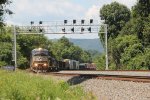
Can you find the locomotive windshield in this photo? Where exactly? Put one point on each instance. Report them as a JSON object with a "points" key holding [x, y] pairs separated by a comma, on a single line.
{"points": [[40, 52]]}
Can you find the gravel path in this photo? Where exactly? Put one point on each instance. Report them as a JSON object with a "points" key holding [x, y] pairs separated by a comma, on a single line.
{"points": [[110, 89]]}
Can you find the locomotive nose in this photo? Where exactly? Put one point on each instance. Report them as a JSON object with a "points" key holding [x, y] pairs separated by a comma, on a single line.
{"points": [[40, 59], [35, 64]]}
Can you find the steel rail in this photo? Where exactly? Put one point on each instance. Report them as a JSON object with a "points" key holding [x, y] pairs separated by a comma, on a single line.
{"points": [[144, 79]]}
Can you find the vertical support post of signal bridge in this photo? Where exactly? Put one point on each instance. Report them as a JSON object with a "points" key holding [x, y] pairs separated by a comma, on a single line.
{"points": [[15, 51], [106, 46]]}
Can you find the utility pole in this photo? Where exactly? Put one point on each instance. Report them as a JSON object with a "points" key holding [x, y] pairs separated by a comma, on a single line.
{"points": [[106, 47], [15, 51]]}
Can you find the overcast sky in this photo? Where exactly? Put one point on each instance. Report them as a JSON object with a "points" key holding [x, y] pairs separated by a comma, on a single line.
{"points": [[48, 10]]}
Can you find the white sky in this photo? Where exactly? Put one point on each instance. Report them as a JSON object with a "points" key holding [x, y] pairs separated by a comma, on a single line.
{"points": [[48, 10]]}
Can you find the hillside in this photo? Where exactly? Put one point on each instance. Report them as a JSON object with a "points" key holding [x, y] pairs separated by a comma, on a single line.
{"points": [[88, 44]]}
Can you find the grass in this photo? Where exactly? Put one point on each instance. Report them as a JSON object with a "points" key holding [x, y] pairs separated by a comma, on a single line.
{"points": [[22, 86]]}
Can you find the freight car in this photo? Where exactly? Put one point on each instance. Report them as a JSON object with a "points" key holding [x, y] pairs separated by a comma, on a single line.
{"points": [[68, 64], [41, 61], [87, 66], [91, 66]]}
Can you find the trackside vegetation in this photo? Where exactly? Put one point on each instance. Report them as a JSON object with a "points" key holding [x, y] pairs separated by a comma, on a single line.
{"points": [[22, 86], [128, 36]]}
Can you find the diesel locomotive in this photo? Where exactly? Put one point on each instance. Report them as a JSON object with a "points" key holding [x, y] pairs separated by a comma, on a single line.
{"points": [[41, 61]]}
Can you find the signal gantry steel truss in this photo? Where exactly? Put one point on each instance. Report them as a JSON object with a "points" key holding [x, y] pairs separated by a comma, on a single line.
{"points": [[60, 27]]}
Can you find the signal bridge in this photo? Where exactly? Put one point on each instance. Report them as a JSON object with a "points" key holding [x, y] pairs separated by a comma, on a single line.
{"points": [[61, 27]]}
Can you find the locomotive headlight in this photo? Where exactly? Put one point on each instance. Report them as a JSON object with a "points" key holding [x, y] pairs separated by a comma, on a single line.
{"points": [[44, 64], [35, 64]]}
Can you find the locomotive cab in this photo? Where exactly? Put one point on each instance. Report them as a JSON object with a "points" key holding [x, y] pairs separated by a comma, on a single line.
{"points": [[39, 60]]}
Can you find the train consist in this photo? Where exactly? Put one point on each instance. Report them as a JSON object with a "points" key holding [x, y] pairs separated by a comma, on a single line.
{"points": [[41, 61]]}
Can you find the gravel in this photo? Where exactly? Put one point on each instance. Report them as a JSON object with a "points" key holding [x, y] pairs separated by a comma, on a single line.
{"points": [[110, 89]]}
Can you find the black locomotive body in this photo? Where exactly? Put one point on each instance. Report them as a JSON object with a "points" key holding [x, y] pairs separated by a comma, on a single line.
{"points": [[41, 60]]}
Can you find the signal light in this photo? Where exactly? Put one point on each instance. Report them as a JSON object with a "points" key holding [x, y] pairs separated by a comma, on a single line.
{"points": [[74, 21], [91, 21], [40, 22], [30, 30], [82, 21], [41, 30], [65, 21], [63, 29], [82, 29], [32, 22], [89, 29], [72, 29]]}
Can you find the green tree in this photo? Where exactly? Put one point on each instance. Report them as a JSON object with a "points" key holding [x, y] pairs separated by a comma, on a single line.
{"points": [[147, 58], [146, 32], [4, 10], [85, 57], [128, 47], [140, 20], [64, 49], [65, 42], [141, 9], [5, 53], [73, 52], [115, 15], [60, 48], [99, 60], [5, 47]]}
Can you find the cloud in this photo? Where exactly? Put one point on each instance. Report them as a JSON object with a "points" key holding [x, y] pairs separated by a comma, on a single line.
{"points": [[27, 10], [92, 12], [47, 7]]}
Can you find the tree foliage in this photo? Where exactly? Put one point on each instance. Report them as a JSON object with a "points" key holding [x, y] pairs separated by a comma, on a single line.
{"points": [[129, 45], [141, 9], [115, 15], [99, 60], [5, 48], [64, 49], [4, 10], [146, 32]]}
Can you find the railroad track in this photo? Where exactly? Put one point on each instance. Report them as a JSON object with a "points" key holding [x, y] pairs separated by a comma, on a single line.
{"points": [[108, 75], [135, 76]]}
